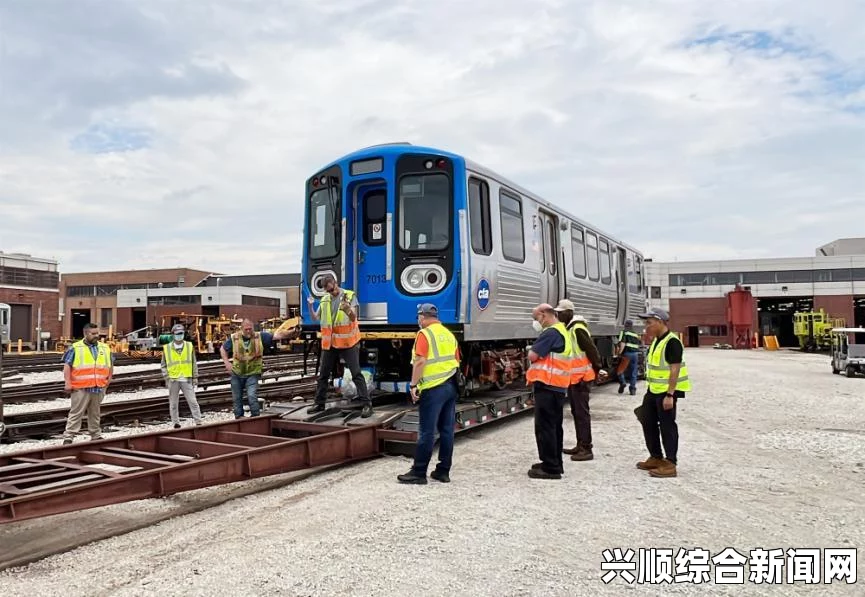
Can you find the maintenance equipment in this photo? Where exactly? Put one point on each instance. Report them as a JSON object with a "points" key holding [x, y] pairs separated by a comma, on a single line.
{"points": [[847, 355], [812, 329]]}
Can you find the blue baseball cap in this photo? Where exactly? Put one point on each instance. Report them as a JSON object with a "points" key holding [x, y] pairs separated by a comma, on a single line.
{"points": [[427, 309], [657, 313]]}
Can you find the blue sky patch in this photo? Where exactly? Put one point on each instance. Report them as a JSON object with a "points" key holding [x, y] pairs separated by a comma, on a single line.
{"points": [[107, 138], [754, 40]]}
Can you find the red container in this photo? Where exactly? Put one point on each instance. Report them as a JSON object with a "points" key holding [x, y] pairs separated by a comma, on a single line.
{"points": [[740, 316]]}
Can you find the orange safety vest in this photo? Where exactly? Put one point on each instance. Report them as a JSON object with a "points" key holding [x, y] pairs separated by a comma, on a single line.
{"points": [[581, 369], [88, 372], [337, 331], [555, 368]]}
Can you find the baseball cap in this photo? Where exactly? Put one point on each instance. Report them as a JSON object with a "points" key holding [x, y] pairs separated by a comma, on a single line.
{"points": [[657, 313], [427, 309], [177, 328], [565, 305]]}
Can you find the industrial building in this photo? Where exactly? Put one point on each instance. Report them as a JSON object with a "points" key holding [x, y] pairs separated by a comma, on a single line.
{"points": [[30, 286], [125, 301], [695, 293]]}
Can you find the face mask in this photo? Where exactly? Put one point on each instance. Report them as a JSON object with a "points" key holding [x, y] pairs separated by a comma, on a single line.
{"points": [[178, 337], [537, 326]]}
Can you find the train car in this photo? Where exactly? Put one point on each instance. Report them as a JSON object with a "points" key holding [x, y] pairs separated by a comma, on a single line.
{"points": [[404, 225], [5, 323]]}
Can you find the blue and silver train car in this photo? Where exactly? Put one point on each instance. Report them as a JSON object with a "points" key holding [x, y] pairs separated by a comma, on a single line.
{"points": [[403, 225], [5, 323]]}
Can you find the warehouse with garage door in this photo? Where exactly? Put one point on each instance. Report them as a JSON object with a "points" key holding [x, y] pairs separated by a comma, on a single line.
{"points": [[695, 293], [30, 286]]}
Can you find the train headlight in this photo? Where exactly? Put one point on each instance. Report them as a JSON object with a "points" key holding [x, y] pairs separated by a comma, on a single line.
{"points": [[423, 279]]}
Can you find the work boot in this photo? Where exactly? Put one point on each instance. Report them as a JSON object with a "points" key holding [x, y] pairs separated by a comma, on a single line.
{"points": [[540, 465], [538, 473], [367, 410], [582, 454], [67, 441], [621, 388], [666, 469], [633, 391], [440, 477], [573, 450], [318, 408], [411, 479], [177, 425], [650, 463]]}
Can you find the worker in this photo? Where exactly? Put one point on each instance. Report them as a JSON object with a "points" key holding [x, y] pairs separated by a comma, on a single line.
{"points": [[549, 373], [435, 366], [667, 380], [628, 347], [587, 367], [245, 349], [180, 370], [340, 339], [88, 366]]}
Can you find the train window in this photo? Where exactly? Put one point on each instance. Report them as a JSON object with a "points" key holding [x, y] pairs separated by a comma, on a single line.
{"points": [[424, 212], [543, 247], [606, 274], [374, 215], [551, 237], [578, 251], [638, 271], [592, 255], [479, 217], [324, 223], [513, 237], [4, 317]]}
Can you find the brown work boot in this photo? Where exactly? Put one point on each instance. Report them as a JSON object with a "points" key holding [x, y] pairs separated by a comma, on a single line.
{"points": [[582, 454], [650, 464], [667, 469], [573, 450]]}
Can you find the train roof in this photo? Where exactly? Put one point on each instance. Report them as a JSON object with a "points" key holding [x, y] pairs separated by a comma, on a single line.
{"points": [[398, 147]]}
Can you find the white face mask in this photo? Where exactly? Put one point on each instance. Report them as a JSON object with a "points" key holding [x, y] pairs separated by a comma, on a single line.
{"points": [[537, 326]]}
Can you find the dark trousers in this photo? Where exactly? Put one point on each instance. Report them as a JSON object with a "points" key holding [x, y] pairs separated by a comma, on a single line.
{"points": [[329, 359], [437, 412], [629, 375], [549, 434], [578, 396], [659, 425]]}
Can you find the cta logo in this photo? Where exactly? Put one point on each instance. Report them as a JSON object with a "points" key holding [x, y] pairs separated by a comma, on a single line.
{"points": [[483, 294]]}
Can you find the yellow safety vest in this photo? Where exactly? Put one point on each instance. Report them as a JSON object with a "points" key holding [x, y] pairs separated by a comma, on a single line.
{"points": [[441, 361], [658, 370], [244, 364], [581, 367], [337, 330], [178, 365], [555, 368], [632, 341]]}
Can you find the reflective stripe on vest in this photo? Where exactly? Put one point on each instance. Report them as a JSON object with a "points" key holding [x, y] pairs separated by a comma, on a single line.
{"points": [[338, 331], [555, 368], [658, 370], [441, 361], [179, 365], [88, 372], [633, 340], [581, 368], [244, 364]]}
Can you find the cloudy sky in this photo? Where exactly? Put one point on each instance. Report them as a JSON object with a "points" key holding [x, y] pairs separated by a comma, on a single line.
{"points": [[161, 133]]}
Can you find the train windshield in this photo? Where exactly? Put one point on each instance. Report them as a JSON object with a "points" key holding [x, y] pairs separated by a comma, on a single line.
{"points": [[424, 212], [323, 223]]}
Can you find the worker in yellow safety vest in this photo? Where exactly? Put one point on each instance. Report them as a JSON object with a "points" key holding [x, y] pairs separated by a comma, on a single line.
{"points": [[628, 346], [435, 370], [180, 370], [88, 366], [549, 373], [667, 380], [340, 339]]}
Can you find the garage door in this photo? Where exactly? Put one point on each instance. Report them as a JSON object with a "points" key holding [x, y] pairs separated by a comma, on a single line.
{"points": [[21, 318]]}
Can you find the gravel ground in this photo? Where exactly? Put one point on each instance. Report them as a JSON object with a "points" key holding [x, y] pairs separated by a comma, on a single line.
{"points": [[772, 456]]}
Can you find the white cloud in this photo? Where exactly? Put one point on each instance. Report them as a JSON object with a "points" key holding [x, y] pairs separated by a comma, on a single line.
{"points": [[603, 107]]}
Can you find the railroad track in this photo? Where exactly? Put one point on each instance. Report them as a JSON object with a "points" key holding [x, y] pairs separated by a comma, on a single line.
{"points": [[208, 374], [47, 422]]}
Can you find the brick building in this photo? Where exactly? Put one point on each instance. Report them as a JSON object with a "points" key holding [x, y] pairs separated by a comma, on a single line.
{"points": [[125, 301], [30, 286], [695, 292]]}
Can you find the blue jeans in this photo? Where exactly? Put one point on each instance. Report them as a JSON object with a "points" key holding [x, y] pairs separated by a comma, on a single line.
{"points": [[437, 411], [630, 372], [238, 384]]}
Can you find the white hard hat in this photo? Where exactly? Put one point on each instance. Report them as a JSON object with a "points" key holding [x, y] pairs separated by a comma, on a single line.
{"points": [[579, 318]]}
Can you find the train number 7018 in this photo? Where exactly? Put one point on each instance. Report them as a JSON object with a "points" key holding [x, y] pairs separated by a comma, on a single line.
{"points": [[376, 278]]}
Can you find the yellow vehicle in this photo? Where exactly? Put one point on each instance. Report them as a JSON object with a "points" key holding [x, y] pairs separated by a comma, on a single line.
{"points": [[813, 328]]}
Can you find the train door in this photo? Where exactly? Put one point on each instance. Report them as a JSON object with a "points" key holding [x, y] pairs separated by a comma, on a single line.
{"points": [[372, 243], [622, 289], [549, 253]]}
